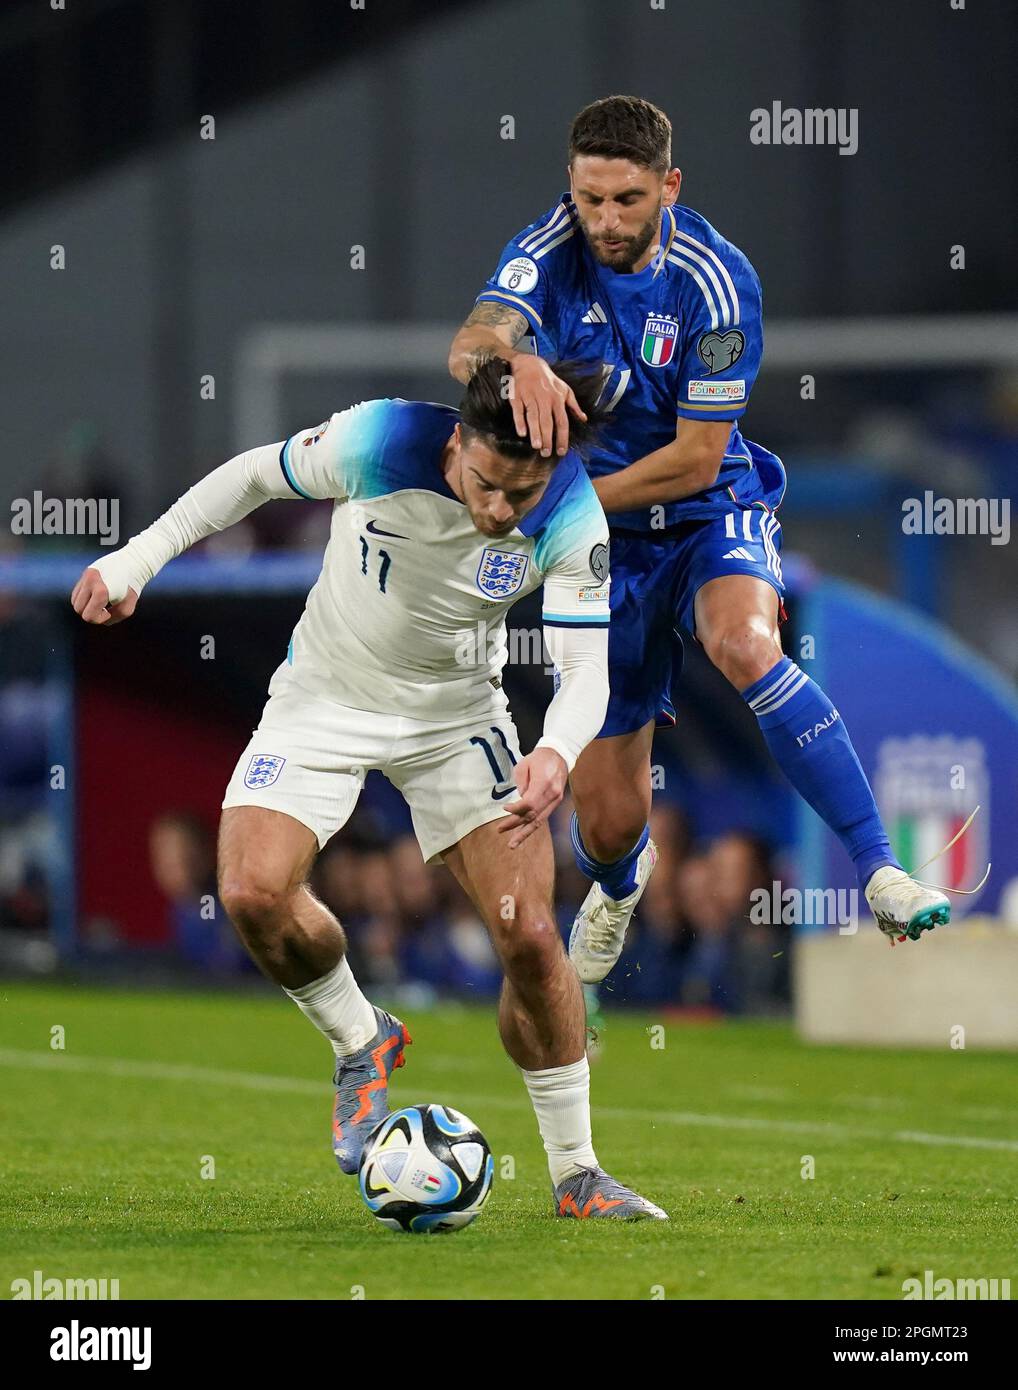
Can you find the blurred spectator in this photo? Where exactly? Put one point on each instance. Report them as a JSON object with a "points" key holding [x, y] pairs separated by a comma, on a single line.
{"points": [[407, 922], [25, 847], [182, 855], [29, 839], [733, 964], [352, 876], [651, 965], [692, 943]]}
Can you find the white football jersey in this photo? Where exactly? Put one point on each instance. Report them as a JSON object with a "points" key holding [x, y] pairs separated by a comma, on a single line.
{"points": [[408, 614]]}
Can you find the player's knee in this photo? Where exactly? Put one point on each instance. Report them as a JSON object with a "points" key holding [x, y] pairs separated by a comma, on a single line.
{"points": [[743, 652], [612, 830], [532, 947], [254, 904]]}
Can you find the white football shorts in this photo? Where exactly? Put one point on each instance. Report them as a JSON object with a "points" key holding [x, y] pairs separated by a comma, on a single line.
{"points": [[309, 756]]}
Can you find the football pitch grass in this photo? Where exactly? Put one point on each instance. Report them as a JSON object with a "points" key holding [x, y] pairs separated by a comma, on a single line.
{"points": [[102, 1147]]}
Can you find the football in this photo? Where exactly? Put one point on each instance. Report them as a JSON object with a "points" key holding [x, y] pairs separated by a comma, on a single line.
{"points": [[426, 1169]]}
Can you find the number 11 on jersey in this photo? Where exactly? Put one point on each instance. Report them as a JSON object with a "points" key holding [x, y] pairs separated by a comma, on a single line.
{"points": [[383, 568]]}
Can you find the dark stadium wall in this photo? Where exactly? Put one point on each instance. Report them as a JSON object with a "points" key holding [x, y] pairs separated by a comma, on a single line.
{"points": [[175, 254], [160, 728], [143, 757]]}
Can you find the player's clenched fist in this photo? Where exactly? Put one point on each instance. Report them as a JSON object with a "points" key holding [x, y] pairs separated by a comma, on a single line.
{"points": [[541, 402], [91, 600]]}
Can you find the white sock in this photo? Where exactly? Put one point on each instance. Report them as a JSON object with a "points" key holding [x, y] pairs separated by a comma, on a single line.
{"points": [[337, 1008], [561, 1101]]}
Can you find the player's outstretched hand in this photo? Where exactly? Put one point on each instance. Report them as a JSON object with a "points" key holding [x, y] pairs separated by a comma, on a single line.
{"points": [[541, 403], [90, 599], [541, 778]]}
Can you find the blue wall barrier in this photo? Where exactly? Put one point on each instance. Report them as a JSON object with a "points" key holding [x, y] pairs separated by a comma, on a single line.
{"points": [[936, 729]]}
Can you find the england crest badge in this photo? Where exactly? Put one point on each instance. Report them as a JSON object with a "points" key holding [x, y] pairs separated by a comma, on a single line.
{"points": [[262, 770], [501, 572], [660, 334]]}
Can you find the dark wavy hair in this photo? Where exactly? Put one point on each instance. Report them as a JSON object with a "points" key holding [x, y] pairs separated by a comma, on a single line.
{"points": [[623, 128], [486, 408]]}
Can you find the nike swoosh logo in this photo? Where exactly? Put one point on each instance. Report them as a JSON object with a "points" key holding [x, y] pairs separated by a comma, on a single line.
{"points": [[500, 796], [376, 530]]}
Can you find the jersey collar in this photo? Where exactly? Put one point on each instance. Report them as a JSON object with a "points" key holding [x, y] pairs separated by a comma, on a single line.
{"points": [[563, 477]]}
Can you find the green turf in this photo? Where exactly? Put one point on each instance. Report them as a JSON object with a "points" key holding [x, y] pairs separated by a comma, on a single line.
{"points": [[101, 1148]]}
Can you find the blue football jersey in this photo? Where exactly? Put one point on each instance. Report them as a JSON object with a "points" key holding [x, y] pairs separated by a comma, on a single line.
{"points": [[681, 338]]}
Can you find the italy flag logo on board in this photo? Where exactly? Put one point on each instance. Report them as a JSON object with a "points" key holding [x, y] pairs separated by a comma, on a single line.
{"points": [[659, 337], [926, 787]]}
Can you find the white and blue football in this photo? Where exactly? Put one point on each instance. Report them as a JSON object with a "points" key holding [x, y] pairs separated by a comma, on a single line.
{"points": [[426, 1169]]}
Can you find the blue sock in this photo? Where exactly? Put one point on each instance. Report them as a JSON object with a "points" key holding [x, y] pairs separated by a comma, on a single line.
{"points": [[811, 745], [619, 879]]}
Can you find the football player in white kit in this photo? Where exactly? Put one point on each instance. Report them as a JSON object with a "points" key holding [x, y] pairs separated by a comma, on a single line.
{"points": [[441, 521]]}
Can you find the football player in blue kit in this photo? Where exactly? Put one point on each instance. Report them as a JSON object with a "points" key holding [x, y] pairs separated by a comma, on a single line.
{"points": [[620, 272]]}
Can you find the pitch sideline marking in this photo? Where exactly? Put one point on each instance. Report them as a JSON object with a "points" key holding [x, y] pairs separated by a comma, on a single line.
{"points": [[852, 1101], [255, 1081]]}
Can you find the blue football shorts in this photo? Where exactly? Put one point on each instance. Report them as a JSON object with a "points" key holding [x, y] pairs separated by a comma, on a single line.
{"points": [[654, 582]]}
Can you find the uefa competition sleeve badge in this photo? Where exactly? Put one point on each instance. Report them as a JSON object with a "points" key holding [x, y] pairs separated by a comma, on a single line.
{"points": [[719, 351], [519, 275]]}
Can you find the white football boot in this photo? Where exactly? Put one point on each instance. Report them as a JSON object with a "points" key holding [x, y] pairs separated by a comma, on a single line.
{"points": [[599, 931], [904, 908]]}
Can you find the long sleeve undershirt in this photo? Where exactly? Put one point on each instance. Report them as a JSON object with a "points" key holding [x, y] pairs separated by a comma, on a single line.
{"points": [[236, 488]]}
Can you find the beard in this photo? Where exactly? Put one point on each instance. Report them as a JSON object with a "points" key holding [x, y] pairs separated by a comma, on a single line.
{"points": [[629, 252]]}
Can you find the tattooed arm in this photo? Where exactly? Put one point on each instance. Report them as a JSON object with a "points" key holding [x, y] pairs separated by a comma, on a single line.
{"points": [[492, 330], [540, 399]]}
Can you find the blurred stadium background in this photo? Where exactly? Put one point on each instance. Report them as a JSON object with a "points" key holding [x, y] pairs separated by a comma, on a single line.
{"points": [[209, 303]]}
